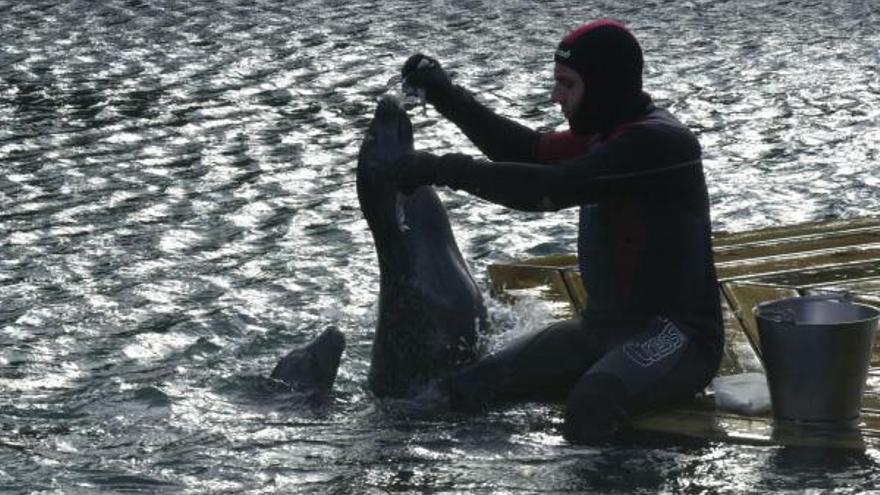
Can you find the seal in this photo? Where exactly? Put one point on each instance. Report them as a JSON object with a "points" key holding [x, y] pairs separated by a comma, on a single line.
{"points": [[431, 311], [311, 370]]}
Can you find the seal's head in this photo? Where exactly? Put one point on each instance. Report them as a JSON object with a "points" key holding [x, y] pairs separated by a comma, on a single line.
{"points": [[311, 370], [607, 59]]}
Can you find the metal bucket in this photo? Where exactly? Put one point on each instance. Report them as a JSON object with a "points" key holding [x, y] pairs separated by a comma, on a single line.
{"points": [[816, 352]]}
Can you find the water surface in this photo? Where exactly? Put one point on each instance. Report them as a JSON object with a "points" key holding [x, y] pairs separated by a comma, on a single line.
{"points": [[177, 210]]}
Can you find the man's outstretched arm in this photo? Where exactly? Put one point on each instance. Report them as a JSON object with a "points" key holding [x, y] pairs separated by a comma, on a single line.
{"points": [[499, 138], [639, 162]]}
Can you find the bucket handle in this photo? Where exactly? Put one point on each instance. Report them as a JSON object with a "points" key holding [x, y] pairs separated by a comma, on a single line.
{"points": [[844, 296], [787, 316]]}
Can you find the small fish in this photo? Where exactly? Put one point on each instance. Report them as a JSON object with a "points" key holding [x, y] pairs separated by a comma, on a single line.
{"points": [[410, 91], [419, 93]]}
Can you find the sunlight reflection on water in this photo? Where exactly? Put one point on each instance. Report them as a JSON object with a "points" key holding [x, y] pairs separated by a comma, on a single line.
{"points": [[178, 210]]}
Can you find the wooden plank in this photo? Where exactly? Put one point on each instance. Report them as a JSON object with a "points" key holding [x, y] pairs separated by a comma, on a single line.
{"points": [[871, 399], [743, 297], [818, 276], [812, 260], [867, 290], [786, 231], [524, 276], [514, 282], [790, 245], [701, 420], [552, 261], [739, 354], [706, 423], [576, 290]]}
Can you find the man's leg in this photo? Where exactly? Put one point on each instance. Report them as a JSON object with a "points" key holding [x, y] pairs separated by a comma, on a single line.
{"points": [[655, 368], [542, 366]]}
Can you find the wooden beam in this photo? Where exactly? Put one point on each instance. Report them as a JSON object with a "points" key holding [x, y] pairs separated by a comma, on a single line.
{"points": [[743, 297], [787, 231], [801, 244]]}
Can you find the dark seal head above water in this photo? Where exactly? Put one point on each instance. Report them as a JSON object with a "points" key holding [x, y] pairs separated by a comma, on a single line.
{"points": [[311, 370], [431, 310]]}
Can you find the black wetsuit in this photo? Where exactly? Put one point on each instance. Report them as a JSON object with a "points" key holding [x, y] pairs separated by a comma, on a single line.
{"points": [[652, 330]]}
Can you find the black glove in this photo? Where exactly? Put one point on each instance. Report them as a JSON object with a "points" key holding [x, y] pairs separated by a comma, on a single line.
{"points": [[423, 72], [416, 168]]}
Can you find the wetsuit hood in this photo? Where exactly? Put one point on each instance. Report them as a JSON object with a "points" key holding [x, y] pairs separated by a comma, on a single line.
{"points": [[609, 60]]}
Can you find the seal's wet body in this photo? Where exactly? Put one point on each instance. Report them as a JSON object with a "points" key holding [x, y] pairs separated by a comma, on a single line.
{"points": [[430, 307]]}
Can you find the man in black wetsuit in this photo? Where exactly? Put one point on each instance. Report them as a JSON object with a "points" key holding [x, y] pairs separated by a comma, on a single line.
{"points": [[652, 331]]}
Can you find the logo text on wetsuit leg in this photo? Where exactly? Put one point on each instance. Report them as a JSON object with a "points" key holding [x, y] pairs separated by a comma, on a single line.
{"points": [[658, 347]]}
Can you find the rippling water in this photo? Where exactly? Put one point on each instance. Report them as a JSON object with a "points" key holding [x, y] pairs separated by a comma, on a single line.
{"points": [[177, 210]]}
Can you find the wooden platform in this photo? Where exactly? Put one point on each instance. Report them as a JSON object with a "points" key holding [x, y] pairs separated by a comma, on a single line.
{"points": [[756, 266]]}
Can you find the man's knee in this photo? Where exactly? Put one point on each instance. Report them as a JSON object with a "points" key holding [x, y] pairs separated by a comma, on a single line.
{"points": [[595, 409]]}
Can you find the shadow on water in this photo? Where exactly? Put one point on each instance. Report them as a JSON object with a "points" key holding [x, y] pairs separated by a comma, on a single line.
{"points": [[634, 462], [819, 468], [824, 460]]}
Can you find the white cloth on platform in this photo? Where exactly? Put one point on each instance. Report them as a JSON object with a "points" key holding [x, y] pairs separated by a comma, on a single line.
{"points": [[746, 393]]}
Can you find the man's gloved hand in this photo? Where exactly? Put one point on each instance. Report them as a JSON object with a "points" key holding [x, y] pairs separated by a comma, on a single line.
{"points": [[416, 168], [423, 72]]}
